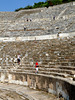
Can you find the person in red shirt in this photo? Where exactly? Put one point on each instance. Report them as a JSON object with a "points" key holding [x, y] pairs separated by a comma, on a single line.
{"points": [[36, 66]]}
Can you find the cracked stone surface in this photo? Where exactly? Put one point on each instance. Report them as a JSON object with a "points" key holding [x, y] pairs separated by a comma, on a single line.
{"points": [[18, 92]]}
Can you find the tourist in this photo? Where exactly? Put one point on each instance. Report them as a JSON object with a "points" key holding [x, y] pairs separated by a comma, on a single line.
{"points": [[54, 18], [30, 20], [57, 34], [24, 28], [27, 19], [18, 59], [36, 66]]}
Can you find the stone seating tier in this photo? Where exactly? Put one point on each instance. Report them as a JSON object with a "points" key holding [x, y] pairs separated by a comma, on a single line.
{"points": [[7, 15], [17, 28], [56, 57], [70, 10], [51, 52], [40, 18], [56, 72]]}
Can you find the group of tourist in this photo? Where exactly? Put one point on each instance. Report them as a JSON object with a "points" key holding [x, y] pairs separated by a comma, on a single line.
{"points": [[36, 64], [29, 19]]}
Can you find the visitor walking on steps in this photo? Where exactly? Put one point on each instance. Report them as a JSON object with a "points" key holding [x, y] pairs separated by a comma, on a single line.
{"points": [[53, 17], [18, 59], [24, 28], [36, 66]]}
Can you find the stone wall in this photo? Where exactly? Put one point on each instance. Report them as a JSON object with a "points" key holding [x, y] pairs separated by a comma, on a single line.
{"points": [[46, 83]]}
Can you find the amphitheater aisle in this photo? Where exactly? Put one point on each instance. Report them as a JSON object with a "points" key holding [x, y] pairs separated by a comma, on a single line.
{"points": [[23, 92]]}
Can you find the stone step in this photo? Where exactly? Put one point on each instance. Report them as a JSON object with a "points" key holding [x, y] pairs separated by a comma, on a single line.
{"points": [[47, 67], [55, 74], [70, 72]]}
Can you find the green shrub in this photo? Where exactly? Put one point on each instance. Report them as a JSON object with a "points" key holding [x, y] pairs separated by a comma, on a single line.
{"points": [[45, 4], [19, 9], [28, 7], [55, 2]]}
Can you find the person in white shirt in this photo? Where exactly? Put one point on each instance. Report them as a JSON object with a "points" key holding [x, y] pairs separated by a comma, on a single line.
{"points": [[18, 59]]}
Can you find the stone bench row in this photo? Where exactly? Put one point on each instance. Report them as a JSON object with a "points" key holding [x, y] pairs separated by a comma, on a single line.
{"points": [[49, 71], [43, 62], [53, 73], [28, 66], [63, 55], [43, 66], [68, 71]]}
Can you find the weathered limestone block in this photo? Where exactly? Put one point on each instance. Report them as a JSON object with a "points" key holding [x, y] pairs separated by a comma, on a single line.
{"points": [[10, 78], [29, 80], [73, 72], [13, 77], [2, 77], [51, 86]]}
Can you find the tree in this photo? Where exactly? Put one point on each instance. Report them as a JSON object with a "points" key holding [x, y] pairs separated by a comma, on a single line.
{"points": [[55, 2], [19, 9], [67, 0], [28, 7], [39, 4], [45, 4]]}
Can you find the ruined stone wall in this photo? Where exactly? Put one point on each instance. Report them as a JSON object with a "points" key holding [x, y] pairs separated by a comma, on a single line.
{"points": [[46, 83]]}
